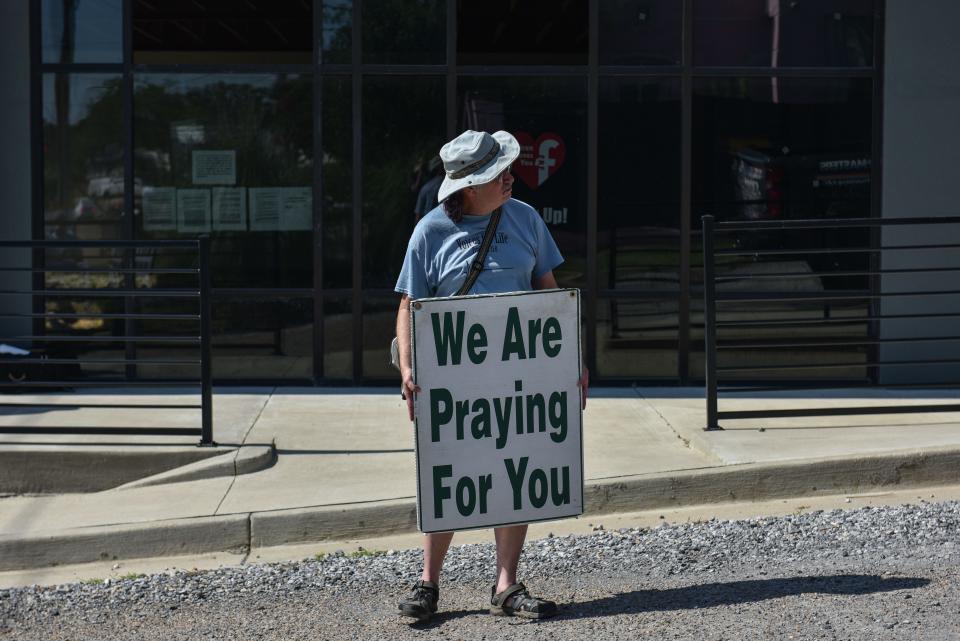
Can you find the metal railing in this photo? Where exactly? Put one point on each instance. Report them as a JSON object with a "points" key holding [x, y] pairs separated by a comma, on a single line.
{"points": [[58, 349], [838, 321]]}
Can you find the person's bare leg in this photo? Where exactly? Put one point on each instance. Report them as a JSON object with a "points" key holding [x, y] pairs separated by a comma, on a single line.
{"points": [[509, 545], [435, 548]]}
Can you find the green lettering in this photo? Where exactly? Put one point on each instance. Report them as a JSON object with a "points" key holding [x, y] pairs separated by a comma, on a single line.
{"points": [[463, 408], [551, 333], [560, 497], [558, 416], [516, 479], [513, 338], [503, 410], [533, 329], [536, 402], [448, 338], [486, 484], [439, 416], [538, 497], [440, 492], [480, 425], [465, 505], [477, 344]]}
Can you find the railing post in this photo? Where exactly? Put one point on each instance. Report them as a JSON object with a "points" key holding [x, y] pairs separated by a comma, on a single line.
{"points": [[206, 310], [709, 325]]}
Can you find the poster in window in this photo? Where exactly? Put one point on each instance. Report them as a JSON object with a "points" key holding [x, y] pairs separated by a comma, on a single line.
{"points": [[159, 209], [193, 210], [264, 208], [229, 209], [296, 209], [214, 167]]}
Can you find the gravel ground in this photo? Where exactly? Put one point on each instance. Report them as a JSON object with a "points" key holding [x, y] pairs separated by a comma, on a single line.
{"points": [[874, 573]]}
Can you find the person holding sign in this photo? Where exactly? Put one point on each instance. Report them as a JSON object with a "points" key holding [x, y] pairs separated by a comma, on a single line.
{"points": [[476, 218]]}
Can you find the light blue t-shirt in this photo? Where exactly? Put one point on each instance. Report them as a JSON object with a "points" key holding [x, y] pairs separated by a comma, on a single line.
{"points": [[440, 252]]}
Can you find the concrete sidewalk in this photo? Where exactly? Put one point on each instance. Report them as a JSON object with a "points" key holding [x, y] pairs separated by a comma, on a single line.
{"points": [[302, 465]]}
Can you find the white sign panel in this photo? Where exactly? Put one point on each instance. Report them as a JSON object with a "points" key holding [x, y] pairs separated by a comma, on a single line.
{"points": [[214, 167], [193, 210], [159, 208], [498, 419], [229, 209]]}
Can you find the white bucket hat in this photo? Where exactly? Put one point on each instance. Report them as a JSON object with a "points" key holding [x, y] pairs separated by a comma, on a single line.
{"points": [[475, 158]]}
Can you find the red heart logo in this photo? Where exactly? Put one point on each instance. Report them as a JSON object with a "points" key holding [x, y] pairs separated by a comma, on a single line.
{"points": [[539, 159]]}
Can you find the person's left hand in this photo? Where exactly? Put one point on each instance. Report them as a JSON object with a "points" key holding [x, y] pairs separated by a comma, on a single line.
{"points": [[584, 385]]}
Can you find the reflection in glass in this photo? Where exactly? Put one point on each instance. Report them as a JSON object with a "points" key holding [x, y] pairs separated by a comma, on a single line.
{"points": [[337, 31], [338, 328], [404, 31], [783, 33], [337, 183], [639, 184], [548, 117], [644, 33], [252, 339], [637, 337], [88, 31], [767, 148], [183, 32], [784, 148], [404, 123], [83, 156], [230, 155], [533, 32]]}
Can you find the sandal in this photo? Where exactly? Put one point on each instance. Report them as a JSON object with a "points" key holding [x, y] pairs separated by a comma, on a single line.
{"points": [[422, 602], [516, 601]]}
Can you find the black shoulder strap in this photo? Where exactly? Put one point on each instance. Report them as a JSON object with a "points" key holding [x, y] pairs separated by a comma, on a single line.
{"points": [[477, 266]]}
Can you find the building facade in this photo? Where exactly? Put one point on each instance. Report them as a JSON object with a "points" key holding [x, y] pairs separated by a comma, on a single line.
{"points": [[302, 134]]}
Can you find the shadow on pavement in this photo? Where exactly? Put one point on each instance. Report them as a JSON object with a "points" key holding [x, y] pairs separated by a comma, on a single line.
{"points": [[711, 595]]}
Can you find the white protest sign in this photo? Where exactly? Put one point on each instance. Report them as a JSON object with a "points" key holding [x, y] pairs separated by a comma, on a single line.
{"points": [[498, 418]]}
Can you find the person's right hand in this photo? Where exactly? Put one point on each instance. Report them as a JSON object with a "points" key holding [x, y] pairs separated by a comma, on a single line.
{"points": [[409, 388]]}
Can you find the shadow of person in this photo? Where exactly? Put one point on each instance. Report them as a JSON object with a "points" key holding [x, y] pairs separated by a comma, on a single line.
{"points": [[709, 595]]}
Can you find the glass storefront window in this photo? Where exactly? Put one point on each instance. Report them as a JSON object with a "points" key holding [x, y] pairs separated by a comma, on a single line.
{"points": [[639, 184], [637, 338], [640, 33], [547, 115], [787, 148], [88, 31], [338, 329], [783, 33], [230, 155], [337, 37], [379, 320], [533, 32], [768, 148], [404, 32], [83, 156], [337, 211], [185, 32], [404, 123]]}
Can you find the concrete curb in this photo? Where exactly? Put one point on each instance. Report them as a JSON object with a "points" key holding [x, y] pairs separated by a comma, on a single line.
{"points": [[748, 482], [333, 523], [247, 459], [39, 469], [140, 540]]}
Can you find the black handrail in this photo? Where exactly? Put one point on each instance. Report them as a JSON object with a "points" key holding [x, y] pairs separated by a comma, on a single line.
{"points": [[200, 248], [774, 338]]}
